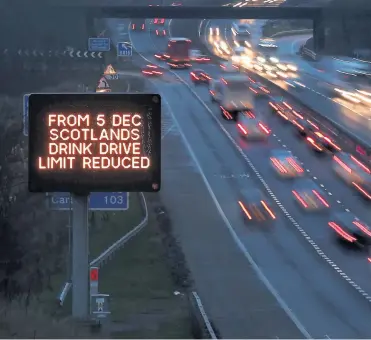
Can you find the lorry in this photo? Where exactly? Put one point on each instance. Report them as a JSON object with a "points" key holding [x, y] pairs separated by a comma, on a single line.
{"points": [[233, 95], [178, 52]]}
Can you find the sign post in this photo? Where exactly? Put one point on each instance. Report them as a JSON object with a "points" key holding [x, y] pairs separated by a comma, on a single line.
{"points": [[114, 143], [94, 280], [80, 256], [25, 114]]}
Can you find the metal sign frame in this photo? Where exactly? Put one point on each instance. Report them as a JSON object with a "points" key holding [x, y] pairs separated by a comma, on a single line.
{"points": [[105, 310]]}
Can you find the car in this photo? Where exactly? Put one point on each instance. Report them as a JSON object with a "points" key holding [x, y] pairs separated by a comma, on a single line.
{"points": [[350, 229], [309, 195], [213, 83], [162, 56], [160, 32], [259, 89], [152, 70], [138, 26], [252, 127], [159, 21], [353, 172], [321, 143], [255, 207], [177, 3], [285, 164], [283, 109], [228, 66], [304, 126], [199, 76], [214, 31]]}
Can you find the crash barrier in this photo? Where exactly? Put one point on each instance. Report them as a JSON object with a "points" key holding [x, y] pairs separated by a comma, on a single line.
{"points": [[309, 53], [353, 143], [108, 254], [201, 326], [292, 32]]}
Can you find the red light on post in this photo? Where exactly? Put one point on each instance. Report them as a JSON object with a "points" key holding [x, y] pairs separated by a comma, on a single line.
{"points": [[94, 274]]}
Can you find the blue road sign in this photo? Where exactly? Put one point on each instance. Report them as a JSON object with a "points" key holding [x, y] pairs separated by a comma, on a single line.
{"points": [[97, 201], [124, 49], [25, 114], [99, 44]]}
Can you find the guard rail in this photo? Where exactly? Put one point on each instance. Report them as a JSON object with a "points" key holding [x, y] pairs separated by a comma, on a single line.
{"points": [[356, 141], [292, 32], [309, 53], [107, 255]]}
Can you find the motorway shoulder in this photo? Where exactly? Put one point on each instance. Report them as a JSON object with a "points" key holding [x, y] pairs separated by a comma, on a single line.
{"points": [[236, 299]]}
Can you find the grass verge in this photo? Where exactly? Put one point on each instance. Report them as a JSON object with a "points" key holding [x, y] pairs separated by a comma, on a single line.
{"points": [[146, 301]]}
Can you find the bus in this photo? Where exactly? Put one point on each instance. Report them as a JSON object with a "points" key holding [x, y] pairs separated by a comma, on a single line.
{"points": [[178, 50]]}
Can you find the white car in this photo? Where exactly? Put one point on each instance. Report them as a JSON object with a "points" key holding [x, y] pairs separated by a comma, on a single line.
{"points": [[251, 127]]}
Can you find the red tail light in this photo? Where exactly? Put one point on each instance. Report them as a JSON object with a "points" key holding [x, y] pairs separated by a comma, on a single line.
{"points": [[362, 227], [295, 165], [298, 125], [264, 128], [243, 130], [278, 165], [253, 90], [341, 232], [282, 114], [298, 197], [314, 125], [274, 106], [343, 165], [143, 27], [323, 201], [364, 167], [246, 212], [363, 191], [269, 211], [133, 26], [287, 105]]}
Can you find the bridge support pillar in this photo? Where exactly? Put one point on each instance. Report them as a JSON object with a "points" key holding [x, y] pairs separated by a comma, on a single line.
{"points": [[319, 34]]}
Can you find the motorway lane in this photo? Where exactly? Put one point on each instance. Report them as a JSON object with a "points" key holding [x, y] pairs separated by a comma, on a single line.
{"points": [[355, 118], [284, 240], [231, 310], [321, 301]]}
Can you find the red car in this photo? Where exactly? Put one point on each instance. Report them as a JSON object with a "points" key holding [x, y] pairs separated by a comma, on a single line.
{"points": [[152, 70]]}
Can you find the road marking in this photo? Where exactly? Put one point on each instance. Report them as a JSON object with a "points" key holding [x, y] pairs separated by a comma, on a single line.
{"points": [[233, 233], [317, 249]]}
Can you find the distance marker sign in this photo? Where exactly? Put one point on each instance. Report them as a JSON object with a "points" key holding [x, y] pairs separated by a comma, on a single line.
{"points": [[94, 142]]}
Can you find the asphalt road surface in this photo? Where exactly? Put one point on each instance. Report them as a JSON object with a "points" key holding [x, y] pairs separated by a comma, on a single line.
{"points": [[355, 118], [326, 289]]}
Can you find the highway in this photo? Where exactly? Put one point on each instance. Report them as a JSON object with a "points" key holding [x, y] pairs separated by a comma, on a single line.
{"points": [[325, 290], [356, 118]]}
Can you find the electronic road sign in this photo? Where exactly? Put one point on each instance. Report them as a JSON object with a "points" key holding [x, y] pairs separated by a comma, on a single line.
{"points": [[94, 142]]}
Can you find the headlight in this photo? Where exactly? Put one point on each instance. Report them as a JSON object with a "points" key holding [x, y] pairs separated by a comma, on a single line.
{"points": [[292, 68], [274, 60]]}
